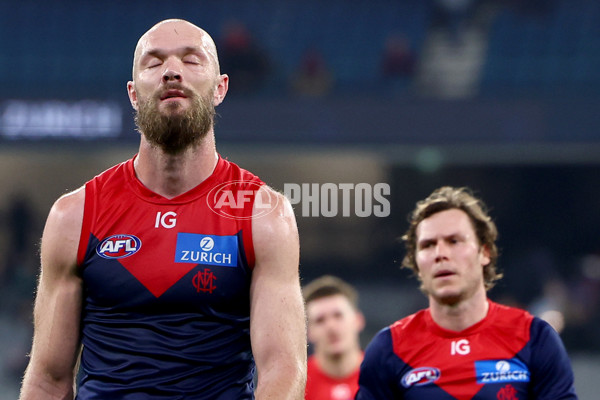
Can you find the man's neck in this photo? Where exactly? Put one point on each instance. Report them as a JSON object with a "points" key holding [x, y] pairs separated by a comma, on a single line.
{"points": [[341, 365], [171, 175], [461, 315]]}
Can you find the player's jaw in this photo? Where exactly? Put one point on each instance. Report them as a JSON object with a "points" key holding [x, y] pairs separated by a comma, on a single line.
{"points": [[447, 286], [170, 124]]}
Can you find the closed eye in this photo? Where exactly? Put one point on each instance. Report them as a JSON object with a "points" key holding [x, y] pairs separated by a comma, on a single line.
{"points": [[192, 59], [152, 62]]}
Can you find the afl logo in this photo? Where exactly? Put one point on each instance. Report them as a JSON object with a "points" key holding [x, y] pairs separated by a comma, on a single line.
{"points": [[118, 246], [420, 376]]}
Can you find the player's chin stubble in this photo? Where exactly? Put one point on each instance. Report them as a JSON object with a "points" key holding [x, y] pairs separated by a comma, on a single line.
{"points": [[176, 132]]}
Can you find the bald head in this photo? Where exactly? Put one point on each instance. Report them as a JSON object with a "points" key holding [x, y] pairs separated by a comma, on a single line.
{"points": [[175, 32]]}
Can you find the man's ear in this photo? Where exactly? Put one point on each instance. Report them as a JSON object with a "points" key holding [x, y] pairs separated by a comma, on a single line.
{"points": [[309, 335], [360, 319], [484, 255], [221, 89], [132, 95]]}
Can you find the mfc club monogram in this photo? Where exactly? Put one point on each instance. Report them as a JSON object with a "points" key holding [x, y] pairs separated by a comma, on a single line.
{"points": [[203, 281]]}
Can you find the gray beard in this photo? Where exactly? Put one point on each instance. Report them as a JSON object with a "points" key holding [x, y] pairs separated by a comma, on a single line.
{"points": [[175, 133]]}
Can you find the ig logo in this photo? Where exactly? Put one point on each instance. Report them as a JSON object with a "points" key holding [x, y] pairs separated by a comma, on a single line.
{"points": [[460, 347], [167, 220]]}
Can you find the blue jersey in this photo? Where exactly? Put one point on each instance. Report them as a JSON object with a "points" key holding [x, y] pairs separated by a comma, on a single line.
{"points": [[509, 355], [166, 288]]}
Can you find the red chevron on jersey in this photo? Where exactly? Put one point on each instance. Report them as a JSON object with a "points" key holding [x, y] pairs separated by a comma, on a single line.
{"points": [[455, 361], [509, 355], [143, 231]]}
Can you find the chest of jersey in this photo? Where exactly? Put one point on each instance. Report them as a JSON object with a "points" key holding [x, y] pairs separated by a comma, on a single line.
{"points": [[320, 386], [466, 367], [183, 255], [166, 288], [147, 251], [490, 362]]}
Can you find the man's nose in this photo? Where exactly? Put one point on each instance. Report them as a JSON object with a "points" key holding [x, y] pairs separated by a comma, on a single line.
{"points": [[171, 75], [441, 251], [172, 71]]}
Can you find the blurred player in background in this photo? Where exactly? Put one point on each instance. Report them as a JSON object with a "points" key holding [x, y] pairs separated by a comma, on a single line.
{"points": [[463, 346], [334, 326], [174, 289]]}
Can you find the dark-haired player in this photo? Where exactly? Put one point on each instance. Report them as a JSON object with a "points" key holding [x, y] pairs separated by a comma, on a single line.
{"points": [[334, 326]]}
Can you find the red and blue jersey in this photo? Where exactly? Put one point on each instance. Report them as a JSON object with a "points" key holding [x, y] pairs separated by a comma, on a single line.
{"points": [[166, 288], [320, 386], [509, 355]]}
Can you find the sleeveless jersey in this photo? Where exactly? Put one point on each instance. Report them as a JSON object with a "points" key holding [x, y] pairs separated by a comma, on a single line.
{"points": [[166, 288], [509, 355], [320, 386]]}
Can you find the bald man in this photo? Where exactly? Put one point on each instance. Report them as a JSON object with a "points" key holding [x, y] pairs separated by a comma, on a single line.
{"points": [[173, 275]]}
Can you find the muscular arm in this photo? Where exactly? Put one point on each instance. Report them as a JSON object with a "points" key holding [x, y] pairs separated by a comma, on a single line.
{"points": [[277, 322], [50, 373]]}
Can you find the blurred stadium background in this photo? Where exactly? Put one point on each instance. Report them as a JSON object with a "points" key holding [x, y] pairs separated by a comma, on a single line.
{"points": [[499, 95]]}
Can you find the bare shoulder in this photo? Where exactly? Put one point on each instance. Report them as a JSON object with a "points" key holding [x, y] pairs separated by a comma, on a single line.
{"points": [[60, 239], [66, 215], [273, 218], [69, 204]]}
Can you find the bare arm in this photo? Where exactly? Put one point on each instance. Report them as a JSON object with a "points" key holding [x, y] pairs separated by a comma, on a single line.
{"points": [[277, 321], [51, 370]]}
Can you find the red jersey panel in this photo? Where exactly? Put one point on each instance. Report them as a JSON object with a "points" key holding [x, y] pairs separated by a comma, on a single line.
{"points": [[166, 287], [509, 355], [454, 354], [320, 386]]}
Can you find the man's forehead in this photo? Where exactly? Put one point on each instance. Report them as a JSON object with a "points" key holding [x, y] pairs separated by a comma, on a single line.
{"points": [[175, 34], [327, 303], [447, 222]]}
